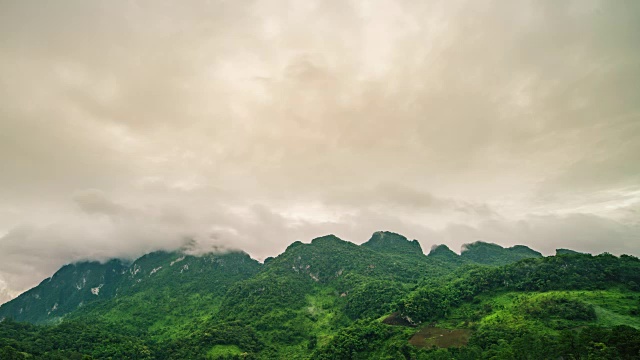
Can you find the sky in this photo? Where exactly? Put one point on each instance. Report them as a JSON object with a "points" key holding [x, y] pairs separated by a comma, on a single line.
{"points": [[133, 126]]}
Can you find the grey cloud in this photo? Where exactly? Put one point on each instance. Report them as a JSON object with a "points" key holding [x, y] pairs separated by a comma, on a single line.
{"points": [[388, 194], [33, 252], [395, 197], [96, 202], [253, 124]]}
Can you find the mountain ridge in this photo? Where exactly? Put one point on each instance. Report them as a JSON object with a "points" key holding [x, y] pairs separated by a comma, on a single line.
{"points": [[332, 299], [381, 244], [81, 283]]}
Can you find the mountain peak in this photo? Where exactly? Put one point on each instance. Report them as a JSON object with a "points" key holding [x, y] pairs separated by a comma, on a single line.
{"points": [[327, 240], [479, 245], [567, 252], [389, 242], [442, 251], [292, 245], [493, 254]]}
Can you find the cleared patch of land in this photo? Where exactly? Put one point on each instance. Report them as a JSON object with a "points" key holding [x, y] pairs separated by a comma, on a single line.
{"points": [[444, 338], [396, 320]]}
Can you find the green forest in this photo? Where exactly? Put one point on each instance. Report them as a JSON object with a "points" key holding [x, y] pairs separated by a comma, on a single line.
{"points": [[333, 299]]}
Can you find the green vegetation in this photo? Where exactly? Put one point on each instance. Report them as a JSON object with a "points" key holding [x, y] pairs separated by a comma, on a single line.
{"points": [[493, 254], [222, 351], [332, 299]]}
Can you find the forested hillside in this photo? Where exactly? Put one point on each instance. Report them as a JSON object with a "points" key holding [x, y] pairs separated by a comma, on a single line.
{"points": [[333, 299]]}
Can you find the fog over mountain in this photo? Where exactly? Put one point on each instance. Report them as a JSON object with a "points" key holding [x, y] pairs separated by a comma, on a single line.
{"points": [[127, 127]]}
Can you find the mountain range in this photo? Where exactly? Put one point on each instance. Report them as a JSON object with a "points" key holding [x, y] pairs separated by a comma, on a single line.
{"points": [[333, 299]]}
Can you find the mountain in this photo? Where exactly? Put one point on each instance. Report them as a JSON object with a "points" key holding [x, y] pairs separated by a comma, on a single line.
{"points": [[111, 289], [78, 287], [333, 299], [69, 288], [567, 252], [493, 254], [324, 284], [392, 243], [483, 253], [444, 253]]}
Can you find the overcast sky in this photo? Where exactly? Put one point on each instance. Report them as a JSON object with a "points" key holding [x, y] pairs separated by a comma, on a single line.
{"points": [[131, 126]]}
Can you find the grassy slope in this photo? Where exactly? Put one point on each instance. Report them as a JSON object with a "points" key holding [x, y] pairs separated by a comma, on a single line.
{"points": [[613, 307], [223, 350]]}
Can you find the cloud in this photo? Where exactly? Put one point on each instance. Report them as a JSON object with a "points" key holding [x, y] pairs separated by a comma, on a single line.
{"points": [[126, 127], [389, 194], [95, 202]]}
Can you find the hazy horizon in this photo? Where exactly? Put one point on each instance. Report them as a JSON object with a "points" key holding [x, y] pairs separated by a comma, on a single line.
{"points": [[128, 127]]}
